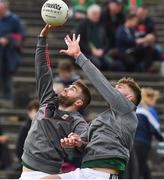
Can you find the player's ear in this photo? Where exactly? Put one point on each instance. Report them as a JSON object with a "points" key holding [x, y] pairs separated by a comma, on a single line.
{"points": [[78, 103], [130, 97]]}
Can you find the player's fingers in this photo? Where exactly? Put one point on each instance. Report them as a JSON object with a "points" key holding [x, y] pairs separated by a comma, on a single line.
{"points": [[52, 27], [71, 134], [63, 51], [66, 41], [46, 26], [78, 143], [74, 37], [68, 38], [73, 138], [76, 136], [78, 38], [49, 27], [78, 140], [66, 141], [55, 27], [62, 140], [71, 141]]}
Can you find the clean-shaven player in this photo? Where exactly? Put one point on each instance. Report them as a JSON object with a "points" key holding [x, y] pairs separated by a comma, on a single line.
{"points": [[57, 117], [110, 135]]}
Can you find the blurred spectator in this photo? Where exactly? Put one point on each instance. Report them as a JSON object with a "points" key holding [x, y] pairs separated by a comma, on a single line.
{"points": [[132, 5], [146, 29], [80, 8], [149, 125], [11, 36], [58, 87], [32, 109], [126, 42], [132, 52], [5, 157], [66, 77], [67, 74], [94, 43], [112, 17], [146, 26]]}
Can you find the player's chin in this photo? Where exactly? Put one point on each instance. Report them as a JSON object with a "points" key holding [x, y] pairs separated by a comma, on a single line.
{"points": [[62, 98]]}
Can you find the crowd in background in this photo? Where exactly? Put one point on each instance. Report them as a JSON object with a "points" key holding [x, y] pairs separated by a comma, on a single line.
{"points": [[11, 37], [116, 36]]}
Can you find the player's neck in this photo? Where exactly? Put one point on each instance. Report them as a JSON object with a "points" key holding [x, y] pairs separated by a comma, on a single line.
{"points": [[67, 109]]}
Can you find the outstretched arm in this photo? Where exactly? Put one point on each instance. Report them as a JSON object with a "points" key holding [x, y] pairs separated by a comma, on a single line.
{"points": [[113, 97], [43, 71]]}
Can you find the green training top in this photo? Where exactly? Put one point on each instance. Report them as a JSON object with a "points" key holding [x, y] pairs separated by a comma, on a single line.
{"points": [[131, 3], [82, 5], [27, 166], [117, 164]]}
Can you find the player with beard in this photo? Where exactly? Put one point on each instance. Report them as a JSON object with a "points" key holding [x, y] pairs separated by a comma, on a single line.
{"points": [[107, 143], [57, 117]]}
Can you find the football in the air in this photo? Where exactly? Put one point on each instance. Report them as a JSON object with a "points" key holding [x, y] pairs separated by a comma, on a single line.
{"points": [[55, 12]]}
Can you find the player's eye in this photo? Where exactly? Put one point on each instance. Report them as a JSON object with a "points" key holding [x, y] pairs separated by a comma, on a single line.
{"points": [[74, 89]]}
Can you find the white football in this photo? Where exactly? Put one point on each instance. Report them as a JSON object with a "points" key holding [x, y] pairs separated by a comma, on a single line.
{"points": [[55, 12]]}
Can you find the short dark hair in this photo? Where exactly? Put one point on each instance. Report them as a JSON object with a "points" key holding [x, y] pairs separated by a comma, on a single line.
{"points": [[86, 95], [143, 7], [65, 66], [119, 2], [33, 105], [131, 15], [134, 87]]}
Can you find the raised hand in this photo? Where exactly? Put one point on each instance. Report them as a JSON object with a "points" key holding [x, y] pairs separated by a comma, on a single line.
{"points": [[73, 46], [48, 28]]}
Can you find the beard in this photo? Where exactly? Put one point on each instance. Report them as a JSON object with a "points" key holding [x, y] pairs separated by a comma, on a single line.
{"points": [[66, 101]]}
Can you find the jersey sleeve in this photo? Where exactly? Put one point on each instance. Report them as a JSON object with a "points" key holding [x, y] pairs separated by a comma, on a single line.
{"points": [[114, 98], [44, 75]]}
